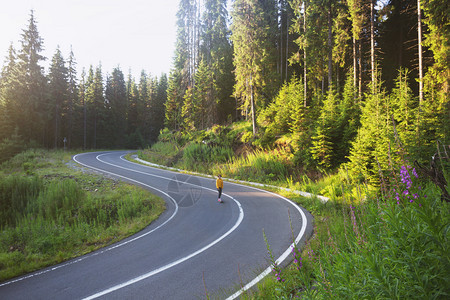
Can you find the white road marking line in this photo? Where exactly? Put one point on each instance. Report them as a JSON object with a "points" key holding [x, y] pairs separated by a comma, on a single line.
{"points": [[283, 256], [109, 248], [177, 262]]}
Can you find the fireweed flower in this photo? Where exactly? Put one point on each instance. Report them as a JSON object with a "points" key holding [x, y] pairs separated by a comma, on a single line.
{"points": [[297, 257], [409, 192], [277, 271]]}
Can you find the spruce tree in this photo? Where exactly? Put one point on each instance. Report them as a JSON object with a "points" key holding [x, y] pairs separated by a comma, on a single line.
{"points": [[7, 94], [59, 94], [217, 56], [189, 111], [133, 105], [95, 103], [175, 94], [251, 52], [158, 108], [327, 136], [27, 105], [72, 98], [116, 98], [205, 97]]}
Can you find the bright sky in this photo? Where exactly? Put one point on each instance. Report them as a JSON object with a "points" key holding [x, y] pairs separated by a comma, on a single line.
{"points": [[131, 34]]}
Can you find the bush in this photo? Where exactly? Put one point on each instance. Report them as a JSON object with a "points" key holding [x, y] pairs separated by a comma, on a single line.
{"points": [[15, 194], [195, 153], [391, 246]]}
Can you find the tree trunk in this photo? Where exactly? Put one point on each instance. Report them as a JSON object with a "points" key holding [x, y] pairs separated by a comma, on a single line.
{"points": [[330, 47], [252, 103], [354, 65], [287, 42], [419, 44], [304, 59], [85, 123], [360, 69], [372, 43], [56, 126]]}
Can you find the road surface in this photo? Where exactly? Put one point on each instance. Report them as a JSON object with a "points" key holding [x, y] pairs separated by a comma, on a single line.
{"points": [[197, 247]]}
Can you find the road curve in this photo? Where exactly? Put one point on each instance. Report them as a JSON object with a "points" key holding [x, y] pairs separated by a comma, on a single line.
{"points": [[197, 247]]}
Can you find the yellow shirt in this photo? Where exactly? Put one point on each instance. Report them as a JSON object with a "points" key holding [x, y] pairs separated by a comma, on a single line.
{"points": [[219, 183]]}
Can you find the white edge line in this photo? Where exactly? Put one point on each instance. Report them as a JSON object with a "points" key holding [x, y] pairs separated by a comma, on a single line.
{"points": [[283, 256], [322, 199], [168, 266], [109, 248]]}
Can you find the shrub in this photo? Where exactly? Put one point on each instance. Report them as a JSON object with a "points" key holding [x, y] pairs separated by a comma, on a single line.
{"points": [[15, 194], [195, 153]]}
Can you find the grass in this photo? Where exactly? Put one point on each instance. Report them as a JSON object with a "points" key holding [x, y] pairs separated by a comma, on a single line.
{"points": [[388, 242], [51, 211], [375, 248]]}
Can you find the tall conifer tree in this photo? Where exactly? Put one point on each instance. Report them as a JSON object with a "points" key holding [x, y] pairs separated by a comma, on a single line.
{"points": [[59, 88], [28, 107], [251, 53]]}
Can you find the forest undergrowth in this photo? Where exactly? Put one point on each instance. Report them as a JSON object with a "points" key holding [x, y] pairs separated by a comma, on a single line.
{"points": [[389, 241]]}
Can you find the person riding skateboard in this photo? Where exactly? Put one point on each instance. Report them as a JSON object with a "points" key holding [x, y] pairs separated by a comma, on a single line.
{"points": [[219, 186]]}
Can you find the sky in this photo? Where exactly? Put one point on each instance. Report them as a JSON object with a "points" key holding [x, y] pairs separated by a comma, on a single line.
{"points": [[134, 35]]}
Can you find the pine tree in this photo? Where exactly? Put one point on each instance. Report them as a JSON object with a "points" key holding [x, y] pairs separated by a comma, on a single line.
{"points": [[205, 97], [189, 111], [133, 105], [83, 108], [251, 52], [72, 98], [26, 107], [95, 103], [327, 138], [217, 55], [175, 94], [357, 19], [158, 108], [373, 146], [59, 94], [404, 108], [349, 116], [437, 79], [143, 104], [116, 97], [7, 94]]}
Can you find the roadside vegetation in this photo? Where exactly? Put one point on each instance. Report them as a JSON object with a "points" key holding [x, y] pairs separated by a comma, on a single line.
{"points": [[382, 239], [51, 210]]}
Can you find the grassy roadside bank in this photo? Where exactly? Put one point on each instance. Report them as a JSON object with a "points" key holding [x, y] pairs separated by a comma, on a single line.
{"points": [[385, 242], [51, 210]]}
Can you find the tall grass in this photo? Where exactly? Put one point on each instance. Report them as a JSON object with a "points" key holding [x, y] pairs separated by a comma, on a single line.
{"points": [[162, 153], [258, 166], [391, 246], [199, 157], [51, 216]]}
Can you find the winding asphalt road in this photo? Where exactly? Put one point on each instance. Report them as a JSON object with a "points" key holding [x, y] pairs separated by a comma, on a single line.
{"points": [[197, 246]]}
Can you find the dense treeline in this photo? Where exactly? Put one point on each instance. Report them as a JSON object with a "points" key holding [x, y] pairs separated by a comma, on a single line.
{"points": [[340, 80], [60, 108], [334, 81]]}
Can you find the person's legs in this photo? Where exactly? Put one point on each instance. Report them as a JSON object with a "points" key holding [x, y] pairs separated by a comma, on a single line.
{"points": [[220, 192]]}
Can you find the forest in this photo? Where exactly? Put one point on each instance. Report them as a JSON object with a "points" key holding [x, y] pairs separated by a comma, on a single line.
{"points": [[348, 99], [337, 81]]}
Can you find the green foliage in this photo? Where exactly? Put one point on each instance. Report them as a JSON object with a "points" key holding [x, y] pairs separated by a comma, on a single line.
{"points": [[391, 246], [258, 166], [11, 146], [58, 214], [15, 194], [195, 155]]}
